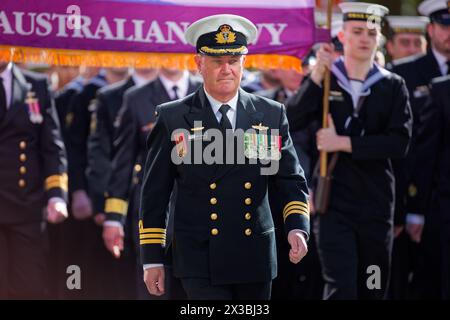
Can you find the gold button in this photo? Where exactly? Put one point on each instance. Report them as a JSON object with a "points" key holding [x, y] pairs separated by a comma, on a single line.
{"points": [[22, 170], [23, 157], [212, 186], [214, 232], [248, 201], [213, 201], [137, 168], [248, 232], [248, 216], [22, 145], [22, 183], [213, 216], [248, 185]]}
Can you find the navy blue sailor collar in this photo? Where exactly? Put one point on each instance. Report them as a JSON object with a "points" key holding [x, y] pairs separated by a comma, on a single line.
{"points": [[375, 74]]}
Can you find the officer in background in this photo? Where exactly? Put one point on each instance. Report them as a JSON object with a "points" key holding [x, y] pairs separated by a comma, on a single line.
{"points": [[120, 280], [406, 39], [418, 73], [369, 123], [135, 121], [86, 233], [434, 138], [223, 238], [33, 177]]}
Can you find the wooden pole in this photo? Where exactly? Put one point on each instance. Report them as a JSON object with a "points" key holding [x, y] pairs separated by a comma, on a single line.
{"points": [[326, 101]]}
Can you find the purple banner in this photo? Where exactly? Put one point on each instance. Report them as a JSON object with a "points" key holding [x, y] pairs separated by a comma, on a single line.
{"points": [[148, 26]]}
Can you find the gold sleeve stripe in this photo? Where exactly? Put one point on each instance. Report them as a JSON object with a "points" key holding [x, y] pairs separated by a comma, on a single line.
{"points": [[299, 203], [297, 212], [57, 181], [152, 236], [152, 230], [295, 207], [116, 205], [163, 242]]}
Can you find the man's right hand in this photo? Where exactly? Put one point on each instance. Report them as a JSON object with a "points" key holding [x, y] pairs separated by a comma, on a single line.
{"points": [[81, 205], [113, 239], [154, 280], [324, 61]]}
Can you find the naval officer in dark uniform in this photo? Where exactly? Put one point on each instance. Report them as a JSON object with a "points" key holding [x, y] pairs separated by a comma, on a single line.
{"points": [[223, 238], [369, 123], [135, 121], [33, 177], [433, 138], [418, 73]]}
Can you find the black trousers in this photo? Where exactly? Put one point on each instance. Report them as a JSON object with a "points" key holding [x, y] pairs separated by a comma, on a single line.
{"points": [[22, 261], [202, 289], [445, 234], [352, 246]]}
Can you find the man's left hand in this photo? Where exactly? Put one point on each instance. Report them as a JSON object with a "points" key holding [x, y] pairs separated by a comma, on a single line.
{"points": [[299, 248], [56, 211]]}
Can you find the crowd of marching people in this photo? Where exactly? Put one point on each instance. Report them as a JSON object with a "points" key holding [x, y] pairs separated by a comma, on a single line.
{"points": [[86, 149]]}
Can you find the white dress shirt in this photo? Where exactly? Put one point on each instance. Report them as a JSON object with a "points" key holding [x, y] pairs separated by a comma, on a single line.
{"points": [[215, 105], [6, 75], [182, 85], [442, 61]]}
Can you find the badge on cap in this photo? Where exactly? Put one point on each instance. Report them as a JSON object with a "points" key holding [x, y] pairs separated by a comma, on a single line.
{"points": [[225, 35]]}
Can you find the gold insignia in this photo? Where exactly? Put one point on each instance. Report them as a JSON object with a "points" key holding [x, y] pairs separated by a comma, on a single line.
{"points": [[197, 129], [69, 119], [412, 190], [116, 205], [260, 127], [223, 51], [225, 35]]}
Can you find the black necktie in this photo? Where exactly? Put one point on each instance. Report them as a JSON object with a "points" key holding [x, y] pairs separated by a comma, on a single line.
{"points": [[175, 93], [225, 122], [448, 67], [2, 99]]}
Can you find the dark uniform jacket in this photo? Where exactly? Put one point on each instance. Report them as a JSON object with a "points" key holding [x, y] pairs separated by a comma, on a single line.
{"points": [[78, 131], [223, 228], [135, 122], [100, 142], [418, 71], [63, 101], [433, 165], [363, 180], [33, 160]]}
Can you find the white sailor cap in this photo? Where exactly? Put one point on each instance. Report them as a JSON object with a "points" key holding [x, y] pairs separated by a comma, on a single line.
{"points": [[362, 11], [223, 34], [437, 10], [408, 24]]}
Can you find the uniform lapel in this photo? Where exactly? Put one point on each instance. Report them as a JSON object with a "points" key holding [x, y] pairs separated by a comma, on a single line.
{"points": [[246, 117], [161, 95], [200, 111], [20, 87]]}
